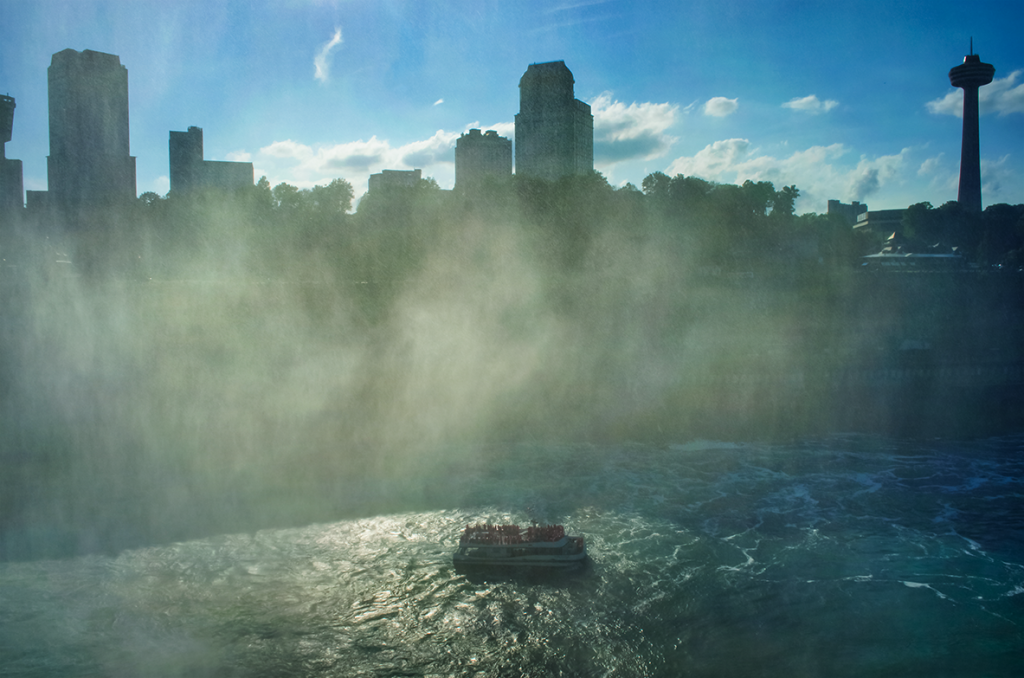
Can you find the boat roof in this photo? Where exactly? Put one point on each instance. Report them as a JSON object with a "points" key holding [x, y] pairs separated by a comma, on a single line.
{"points": [[524, 544]]}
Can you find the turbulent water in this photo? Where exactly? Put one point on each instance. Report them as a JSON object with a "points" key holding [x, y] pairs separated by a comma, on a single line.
{"points": [[839, 557]]}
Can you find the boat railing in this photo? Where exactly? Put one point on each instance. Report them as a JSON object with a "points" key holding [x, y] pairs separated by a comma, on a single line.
{"points": [[508, 535]]}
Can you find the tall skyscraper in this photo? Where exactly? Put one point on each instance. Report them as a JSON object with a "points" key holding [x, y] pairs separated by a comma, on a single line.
{"points": [[969, 76], [12, 192], [554, 131], [480, 156], [89, 163]]}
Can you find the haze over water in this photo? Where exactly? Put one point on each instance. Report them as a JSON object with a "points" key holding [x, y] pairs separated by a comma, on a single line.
{"points": [[844, 556]]}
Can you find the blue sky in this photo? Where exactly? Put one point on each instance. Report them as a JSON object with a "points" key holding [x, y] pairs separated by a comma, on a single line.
{"points": [[846, 100]]}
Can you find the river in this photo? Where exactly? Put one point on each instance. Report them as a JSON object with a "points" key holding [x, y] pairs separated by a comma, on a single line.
{"points": [[838, 556]]}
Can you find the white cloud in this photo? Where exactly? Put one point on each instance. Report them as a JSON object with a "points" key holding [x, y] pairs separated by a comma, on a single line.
{"points": [[355, 155], [320, 63], [636, 131], [439, 148], [439, 102], [811, 104], [305, 166], [239, 156], [1002, 96], [720, 107], [930, 166], [951, 104], [504, 129], [161, 185], [287, 149], [712, 161], [995, 175], [818, 172]]}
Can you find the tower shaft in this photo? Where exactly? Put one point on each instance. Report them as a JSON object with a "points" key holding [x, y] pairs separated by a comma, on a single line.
{"points": [[969, 193]]}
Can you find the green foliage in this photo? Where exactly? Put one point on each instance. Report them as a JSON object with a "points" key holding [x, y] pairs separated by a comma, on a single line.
{"points": [[784, 203], [287, 197], [573, 224], [656, 185]]}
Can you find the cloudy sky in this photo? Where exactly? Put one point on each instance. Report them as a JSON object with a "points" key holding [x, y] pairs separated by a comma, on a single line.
{"points": [[847, 100]]}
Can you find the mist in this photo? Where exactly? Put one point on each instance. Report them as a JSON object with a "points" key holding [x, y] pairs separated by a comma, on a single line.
{"points": [[226, 363]]}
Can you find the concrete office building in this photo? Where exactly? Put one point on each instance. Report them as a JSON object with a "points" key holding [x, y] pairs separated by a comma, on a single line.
{"points": [[880, 222], [969, 76], [12, 190], [386, 179], [189, 172], [849, 212], [89, 163], [554, 131], [479, 157]]}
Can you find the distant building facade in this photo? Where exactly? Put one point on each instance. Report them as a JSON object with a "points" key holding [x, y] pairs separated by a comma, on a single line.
{"points": [[848, 212], [89, 163], [394, 179], [554, 131], [189, 172], [479, 157], [12, 189], [881, 222]]}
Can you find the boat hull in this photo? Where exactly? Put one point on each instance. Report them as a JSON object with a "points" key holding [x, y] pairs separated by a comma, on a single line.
{"points": [[541, 547]]}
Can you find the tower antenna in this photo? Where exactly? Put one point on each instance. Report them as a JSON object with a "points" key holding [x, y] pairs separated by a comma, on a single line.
{"points": [[972, 44]]}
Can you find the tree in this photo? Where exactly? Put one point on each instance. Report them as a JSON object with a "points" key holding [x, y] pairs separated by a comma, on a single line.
{"points": [[287, 196], [757, 197], [262, 195], [1002, 234], [332, 200], [149, 198], [784, 203], [656, 184], [691, 192], [916, 226]]}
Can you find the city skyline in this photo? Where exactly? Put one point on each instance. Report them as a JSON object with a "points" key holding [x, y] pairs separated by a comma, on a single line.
{"points": [[847, 102]]}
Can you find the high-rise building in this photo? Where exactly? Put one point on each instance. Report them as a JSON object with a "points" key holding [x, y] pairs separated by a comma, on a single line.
{"points": [[189, 172], [481, 156], [89, 163], [12, 190], [969, 76], [554, 131]]}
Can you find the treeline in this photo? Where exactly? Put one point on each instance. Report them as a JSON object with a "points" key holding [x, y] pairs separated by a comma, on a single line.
{"points": [[993, 237], [730, 227]]}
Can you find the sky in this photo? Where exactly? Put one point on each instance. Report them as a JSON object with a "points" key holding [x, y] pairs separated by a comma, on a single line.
{"points": [[844, 100]]}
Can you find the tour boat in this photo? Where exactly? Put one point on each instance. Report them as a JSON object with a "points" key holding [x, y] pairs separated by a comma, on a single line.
{"points": [[507, 545]]}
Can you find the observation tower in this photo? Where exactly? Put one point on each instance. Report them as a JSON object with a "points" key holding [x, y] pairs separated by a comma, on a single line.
{"points": [[969, 76]]}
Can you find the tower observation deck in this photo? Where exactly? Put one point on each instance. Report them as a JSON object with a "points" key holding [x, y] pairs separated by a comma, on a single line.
{"points": [[969, 76]]}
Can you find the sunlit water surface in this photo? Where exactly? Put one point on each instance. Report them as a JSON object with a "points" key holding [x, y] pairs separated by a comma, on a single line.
{"points": [[838, 557]]}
